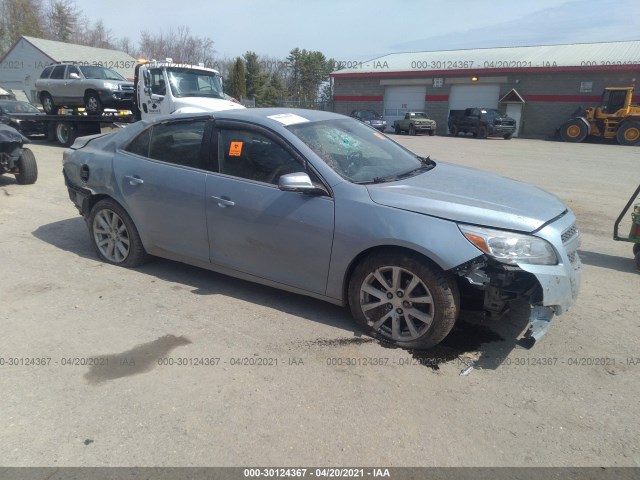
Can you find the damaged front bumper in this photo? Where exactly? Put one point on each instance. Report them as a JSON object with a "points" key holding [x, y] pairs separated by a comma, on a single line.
{"points": [[550, 289]]}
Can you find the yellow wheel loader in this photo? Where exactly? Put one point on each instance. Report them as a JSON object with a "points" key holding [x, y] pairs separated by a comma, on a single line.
{"points": [[615, 117]]}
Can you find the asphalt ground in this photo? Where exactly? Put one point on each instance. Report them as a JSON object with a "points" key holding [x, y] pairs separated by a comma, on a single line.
{"points": [[171, 365]]}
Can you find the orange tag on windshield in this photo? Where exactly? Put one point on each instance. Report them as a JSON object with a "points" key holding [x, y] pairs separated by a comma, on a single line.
{"points": [[379, 135], [235, 150]]}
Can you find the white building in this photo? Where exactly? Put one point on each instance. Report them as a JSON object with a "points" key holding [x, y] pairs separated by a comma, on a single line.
{"points": [[22, 65]]}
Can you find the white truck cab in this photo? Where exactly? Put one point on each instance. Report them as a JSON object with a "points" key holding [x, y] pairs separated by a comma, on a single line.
{"points": [[163, 88]]}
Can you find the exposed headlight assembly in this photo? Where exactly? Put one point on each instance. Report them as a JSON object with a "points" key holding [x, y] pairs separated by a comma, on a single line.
{"points": [[112, 86], [510, 248]]}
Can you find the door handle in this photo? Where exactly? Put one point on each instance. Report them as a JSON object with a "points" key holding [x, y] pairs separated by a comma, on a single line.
{"points": [[223, 202], [134, 180]]}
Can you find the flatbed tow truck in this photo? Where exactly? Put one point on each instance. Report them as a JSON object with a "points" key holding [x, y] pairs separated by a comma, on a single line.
{"points": [[160, 88]]}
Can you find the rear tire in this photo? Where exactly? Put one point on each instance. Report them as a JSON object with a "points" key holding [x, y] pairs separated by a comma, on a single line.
{"points": [[482, 132], [636, 248], [66, 133], [629, 134], [50, 108], [115, 236], [27, 168], [454, 131], [508, 136], [637, 260], [416, 306], [432, 133], [574, 131], [412, 130]]}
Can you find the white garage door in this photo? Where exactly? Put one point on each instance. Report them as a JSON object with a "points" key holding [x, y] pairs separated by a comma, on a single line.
{"points": [[467, 96], [400, 100]]}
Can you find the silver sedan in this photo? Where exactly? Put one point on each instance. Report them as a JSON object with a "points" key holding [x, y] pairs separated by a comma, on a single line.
{"points": [[323, 205]]}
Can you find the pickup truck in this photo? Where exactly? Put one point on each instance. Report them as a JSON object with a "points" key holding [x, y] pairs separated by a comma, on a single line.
{"points": [[414, 122], [482, 123]]}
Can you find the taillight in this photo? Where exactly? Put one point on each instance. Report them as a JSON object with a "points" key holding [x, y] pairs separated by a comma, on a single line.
{"points": [[234, 100]]}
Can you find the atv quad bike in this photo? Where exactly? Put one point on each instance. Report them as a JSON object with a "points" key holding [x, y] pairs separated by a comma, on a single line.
{"points": [[14, 158]]}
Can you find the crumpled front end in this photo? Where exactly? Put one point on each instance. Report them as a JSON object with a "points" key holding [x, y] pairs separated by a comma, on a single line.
{"points": [[550, 289]]}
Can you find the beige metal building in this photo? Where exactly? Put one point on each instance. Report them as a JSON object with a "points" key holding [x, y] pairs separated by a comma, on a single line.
{"points": [[21, 66], [540, 86]]}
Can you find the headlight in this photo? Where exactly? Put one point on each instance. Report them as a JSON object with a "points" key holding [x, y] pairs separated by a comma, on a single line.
{"points": [[511, 248], [112, 86]]}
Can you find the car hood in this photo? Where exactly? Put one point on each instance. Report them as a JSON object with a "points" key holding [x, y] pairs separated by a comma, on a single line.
{"points": [[203, 104], [471, 196]]}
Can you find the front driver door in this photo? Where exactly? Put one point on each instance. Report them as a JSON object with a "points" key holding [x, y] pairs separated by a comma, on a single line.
{"points": [[258, 229]]}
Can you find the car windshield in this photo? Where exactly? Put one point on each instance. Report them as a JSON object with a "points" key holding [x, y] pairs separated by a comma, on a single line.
{"points": [[369, 115], [357, 152], [18, 107], [419, 115], [187, 82], [491, 112], [101, 73]]}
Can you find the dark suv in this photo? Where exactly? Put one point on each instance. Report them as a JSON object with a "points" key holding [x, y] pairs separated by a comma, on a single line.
{"points": [[370, 117], [90, 86]]}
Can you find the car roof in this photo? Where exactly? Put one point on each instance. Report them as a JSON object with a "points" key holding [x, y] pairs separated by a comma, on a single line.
{"points": [[262, 116]]}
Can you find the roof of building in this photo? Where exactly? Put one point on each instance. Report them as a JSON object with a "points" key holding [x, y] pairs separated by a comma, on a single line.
{"points": [[584, 56], [116, 60]]}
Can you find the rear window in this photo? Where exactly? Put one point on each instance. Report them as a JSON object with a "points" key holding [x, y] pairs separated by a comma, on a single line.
{"points": [[46, 72]]}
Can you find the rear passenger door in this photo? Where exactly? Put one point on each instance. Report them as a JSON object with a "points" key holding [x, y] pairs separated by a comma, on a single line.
{"points": [[161, 177], [55, 85]]}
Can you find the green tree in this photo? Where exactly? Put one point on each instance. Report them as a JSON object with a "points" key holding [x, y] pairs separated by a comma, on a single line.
{"points": [[238, 85], [255, 78], [308, 71], [273, 93]]}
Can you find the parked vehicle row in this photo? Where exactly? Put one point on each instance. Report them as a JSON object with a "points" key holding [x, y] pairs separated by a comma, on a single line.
{"points": [[430, 239]]}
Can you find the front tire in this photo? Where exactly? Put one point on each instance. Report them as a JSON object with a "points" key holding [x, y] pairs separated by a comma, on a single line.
{"points": [[399, 298], [454, 130], [115, 236], [432, 133], [93, 104], [397, 131], [508, 136], [574, 131], [636, 248], [27, 168], [629, 134], [482, 132], [412, 130]]}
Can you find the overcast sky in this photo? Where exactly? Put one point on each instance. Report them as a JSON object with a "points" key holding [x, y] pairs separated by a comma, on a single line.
{"points": [[364, 29]]}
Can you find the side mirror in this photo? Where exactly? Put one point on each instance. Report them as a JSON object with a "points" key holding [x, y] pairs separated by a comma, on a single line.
{"points": [[299, 182], [74, 76]]}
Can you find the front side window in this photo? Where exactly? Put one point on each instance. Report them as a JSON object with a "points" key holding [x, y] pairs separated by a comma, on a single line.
{"points": [[253, 156], [158, 86], [179, 143], [72, 69], [357, 152]]}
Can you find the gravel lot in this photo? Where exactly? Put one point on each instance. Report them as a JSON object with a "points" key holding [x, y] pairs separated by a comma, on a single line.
{"points": [[570, 401]]}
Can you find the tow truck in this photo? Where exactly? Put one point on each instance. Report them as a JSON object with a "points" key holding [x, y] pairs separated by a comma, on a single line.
{"points": [[161, 88]]}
